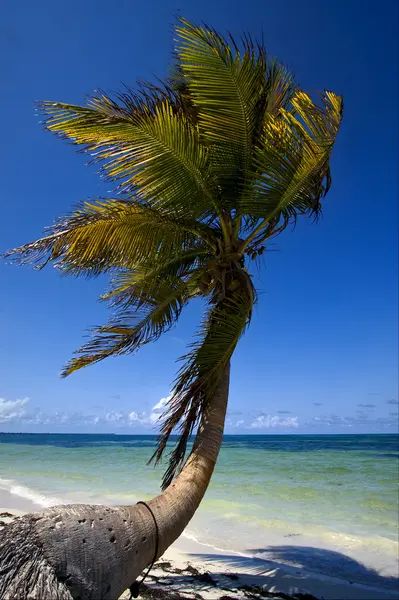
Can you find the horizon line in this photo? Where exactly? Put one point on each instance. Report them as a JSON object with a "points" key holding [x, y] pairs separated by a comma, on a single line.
{"points": [[177, 435]]}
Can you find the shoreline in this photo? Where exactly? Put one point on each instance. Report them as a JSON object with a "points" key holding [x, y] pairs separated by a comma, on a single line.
{"points": [[193, 569]]}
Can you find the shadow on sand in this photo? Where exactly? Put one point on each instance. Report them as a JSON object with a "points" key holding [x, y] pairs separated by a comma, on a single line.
{"points": [[302, 563]]}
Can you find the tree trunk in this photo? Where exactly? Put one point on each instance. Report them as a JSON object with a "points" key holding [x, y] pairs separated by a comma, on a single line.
{"points": [[97, 552]]}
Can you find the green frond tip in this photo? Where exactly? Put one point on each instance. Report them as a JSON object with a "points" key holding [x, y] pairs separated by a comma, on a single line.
{"points": [[154, 309]]}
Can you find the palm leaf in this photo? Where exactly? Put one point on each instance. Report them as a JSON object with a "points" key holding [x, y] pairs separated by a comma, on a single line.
{"points": [[294, 161], [154, 150], [203, 368], [225, 85], [153, 311], [182, 265], [112, 234], [279, 89]]}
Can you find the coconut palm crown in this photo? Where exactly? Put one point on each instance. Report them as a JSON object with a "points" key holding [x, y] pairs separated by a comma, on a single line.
{"points": [[209, 164]]}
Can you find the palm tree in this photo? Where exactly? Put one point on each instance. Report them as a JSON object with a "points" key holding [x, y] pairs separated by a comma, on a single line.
{"points": [[211, 164]]}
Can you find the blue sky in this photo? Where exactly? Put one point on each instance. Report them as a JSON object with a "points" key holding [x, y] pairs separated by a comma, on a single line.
{"points": [[321, 353]]}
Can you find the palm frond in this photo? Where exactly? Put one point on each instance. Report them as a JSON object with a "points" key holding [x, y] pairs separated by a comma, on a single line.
{"points": [[183, 265], [203, 367], [294, 160], [112, 234], [225, 86], [155, 151], [279, 88], [154, 309], [278, 91]]}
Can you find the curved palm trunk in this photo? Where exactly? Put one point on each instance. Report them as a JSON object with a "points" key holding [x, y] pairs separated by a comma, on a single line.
{"points": [[83, 551]]}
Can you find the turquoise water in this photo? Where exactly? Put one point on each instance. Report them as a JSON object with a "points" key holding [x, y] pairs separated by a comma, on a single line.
{"points": [[337, 493]]}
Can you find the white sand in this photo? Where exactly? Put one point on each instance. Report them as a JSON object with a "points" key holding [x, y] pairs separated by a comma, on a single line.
{"points": [[271, 576]]}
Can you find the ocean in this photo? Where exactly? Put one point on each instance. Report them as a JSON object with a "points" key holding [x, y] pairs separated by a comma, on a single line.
{"points": [[324, 502]]}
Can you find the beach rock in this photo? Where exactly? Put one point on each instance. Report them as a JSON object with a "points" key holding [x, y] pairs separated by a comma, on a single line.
{"points": [[206, 578], [164, 564], [191, 569], [151, 593]]}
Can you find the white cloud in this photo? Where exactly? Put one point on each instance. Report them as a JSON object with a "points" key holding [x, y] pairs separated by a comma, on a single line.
{"points": [[17, 411], [11, 410], [134, 418], [239, 423], [129, 419], [114, 417], [158, 409], [160, 405], [361, 418], [330, 420], [269, 421]]}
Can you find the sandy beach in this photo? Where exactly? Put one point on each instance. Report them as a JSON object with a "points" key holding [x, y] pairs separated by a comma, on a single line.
{"points": [[196, 571]]}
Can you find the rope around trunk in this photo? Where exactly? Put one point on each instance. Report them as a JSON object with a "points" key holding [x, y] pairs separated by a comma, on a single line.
{"points": [[135, 587]]}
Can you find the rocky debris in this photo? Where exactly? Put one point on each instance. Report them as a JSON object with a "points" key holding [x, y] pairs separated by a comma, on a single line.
{"points": [[253, 591], [8, 519], [189, 583]]}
